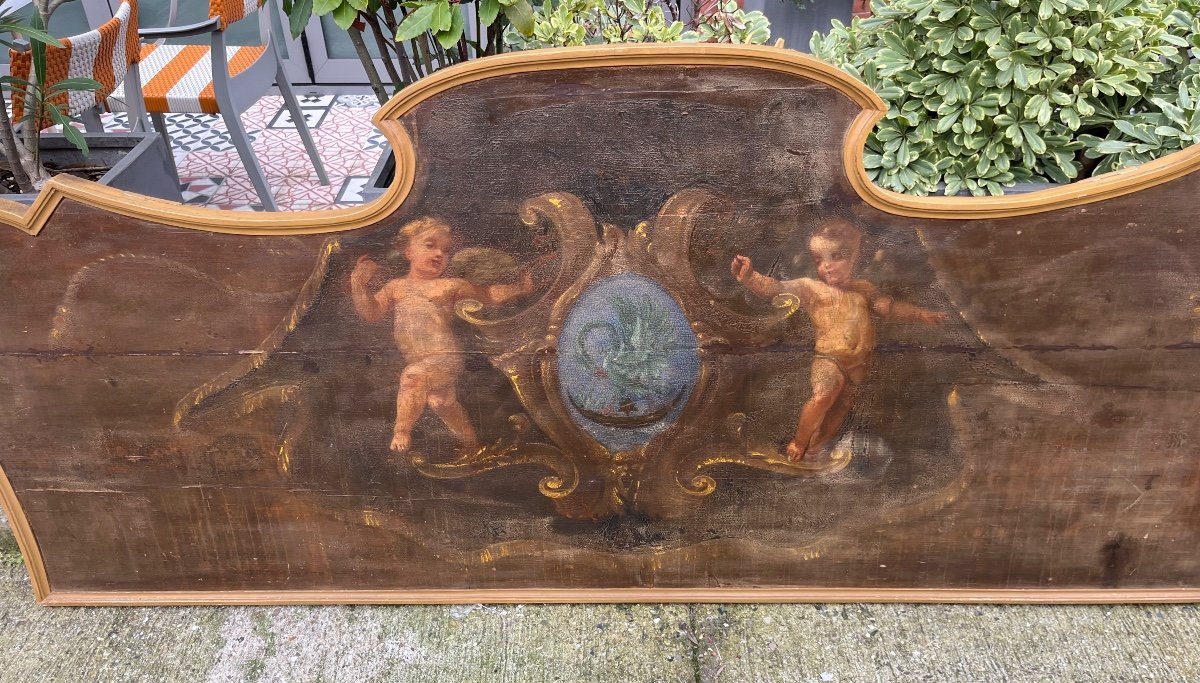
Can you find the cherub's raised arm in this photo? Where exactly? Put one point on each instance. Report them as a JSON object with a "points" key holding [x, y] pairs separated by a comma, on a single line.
{"points": [[497, 294], [761, 285], [369, 307], [903, 311], [767, 287]]}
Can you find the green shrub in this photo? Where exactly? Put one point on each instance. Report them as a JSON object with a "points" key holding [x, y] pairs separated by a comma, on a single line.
{"points": [[982, 94], [563, 23], [728, 23]]}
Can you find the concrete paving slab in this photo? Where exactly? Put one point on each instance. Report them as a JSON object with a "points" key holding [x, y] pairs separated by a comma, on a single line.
{"points": [[949, 643]]}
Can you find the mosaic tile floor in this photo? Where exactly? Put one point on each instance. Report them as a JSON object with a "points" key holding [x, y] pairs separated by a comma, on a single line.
{"points": [[212, 175]]}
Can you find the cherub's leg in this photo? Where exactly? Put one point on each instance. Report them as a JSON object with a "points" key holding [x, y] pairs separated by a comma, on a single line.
{"points": [[834, 418], [444, 402], [410, 403], [827, 384]]}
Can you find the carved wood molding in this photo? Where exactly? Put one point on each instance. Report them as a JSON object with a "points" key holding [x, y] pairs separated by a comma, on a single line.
{"points": [[33, 218]]}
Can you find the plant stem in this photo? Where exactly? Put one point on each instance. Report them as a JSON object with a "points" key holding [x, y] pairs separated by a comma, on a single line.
{"points": [[416, 50], [442, 57], [478, 31], [9, 143], [360, 47], [406, 62], [29, 147], [422, 45], [384, 51], [406, 65], [389, 18], [418, 58]]}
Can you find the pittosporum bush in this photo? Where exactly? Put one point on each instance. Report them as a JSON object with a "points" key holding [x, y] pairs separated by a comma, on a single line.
{"points": [[983, 94], [563, 23]]}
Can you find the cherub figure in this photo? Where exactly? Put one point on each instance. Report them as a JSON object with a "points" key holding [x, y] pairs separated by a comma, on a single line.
{"points": [[841, 307], [422, 304]]}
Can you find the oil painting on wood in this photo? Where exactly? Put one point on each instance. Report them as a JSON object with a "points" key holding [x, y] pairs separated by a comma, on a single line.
{"points": [[631, 324]]}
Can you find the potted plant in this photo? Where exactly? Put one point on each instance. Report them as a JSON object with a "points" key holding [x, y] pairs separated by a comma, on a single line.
{"points": [[984, 95], [417, 37], [584, 22], [137, 162]]}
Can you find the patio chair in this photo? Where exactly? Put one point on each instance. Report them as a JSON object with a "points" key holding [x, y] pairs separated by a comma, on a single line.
{"points": [[216, 79], [108, 54]]}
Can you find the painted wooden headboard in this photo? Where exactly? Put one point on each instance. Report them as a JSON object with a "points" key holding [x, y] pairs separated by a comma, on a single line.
{"points": [[630, 324]]}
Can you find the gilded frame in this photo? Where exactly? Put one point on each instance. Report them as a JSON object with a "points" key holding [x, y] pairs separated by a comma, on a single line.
{"points": [[32, 220]]}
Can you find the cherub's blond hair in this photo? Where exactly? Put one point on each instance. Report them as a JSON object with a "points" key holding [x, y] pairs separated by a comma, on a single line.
{"points": [[840, 230], [415, 228]]}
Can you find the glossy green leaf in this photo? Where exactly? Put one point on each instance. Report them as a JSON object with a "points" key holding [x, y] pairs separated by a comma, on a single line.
{"points": [[299, 12], [442, 18], [417, 22], [520, 15], [345, 15], [488, 11], [449, 38]]}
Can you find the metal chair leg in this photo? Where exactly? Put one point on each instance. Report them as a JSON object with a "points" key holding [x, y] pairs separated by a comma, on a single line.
{"points": [[289, 98], [160, 125], [91, 120], [237, 133], [135, 105]]}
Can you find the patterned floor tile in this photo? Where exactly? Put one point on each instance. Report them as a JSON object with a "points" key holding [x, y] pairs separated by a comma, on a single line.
{"points": [[358, 101], [199, 190], [315, 100], [313, 117], [204, 132], [377, 143], [212, 174], [116, 123], [351, 192]]}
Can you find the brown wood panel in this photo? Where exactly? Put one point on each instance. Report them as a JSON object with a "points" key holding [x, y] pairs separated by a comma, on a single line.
{"points": [[627, 327]]}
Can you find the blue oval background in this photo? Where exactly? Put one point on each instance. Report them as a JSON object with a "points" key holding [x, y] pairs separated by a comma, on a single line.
{"points": [[627, 361]]}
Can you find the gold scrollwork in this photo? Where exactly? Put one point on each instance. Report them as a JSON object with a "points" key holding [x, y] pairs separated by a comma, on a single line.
{"points": [[500, 455], [788, 303], [695, 480], [467, 308], [516, 346], [617, 481]]}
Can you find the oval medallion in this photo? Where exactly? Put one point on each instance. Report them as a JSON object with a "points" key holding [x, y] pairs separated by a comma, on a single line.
{"points": [[627, 361]]}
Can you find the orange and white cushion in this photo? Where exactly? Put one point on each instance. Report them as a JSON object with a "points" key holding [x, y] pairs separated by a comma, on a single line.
{"points": [[103, 54], [179, 78], [231, 11]]}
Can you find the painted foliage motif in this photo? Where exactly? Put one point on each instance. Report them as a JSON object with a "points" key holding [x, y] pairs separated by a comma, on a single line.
{"points": [[631, 327], [628, 363]]}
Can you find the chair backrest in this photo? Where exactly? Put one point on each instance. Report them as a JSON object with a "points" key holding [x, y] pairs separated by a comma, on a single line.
{"points": [[103, 54], [232, 11]]}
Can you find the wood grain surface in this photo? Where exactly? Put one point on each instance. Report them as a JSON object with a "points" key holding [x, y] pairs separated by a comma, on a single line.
{"points": [[992, 400]]}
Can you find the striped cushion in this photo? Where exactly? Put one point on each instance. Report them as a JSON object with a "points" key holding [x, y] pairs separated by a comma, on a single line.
{"points": [[103, 54], [178, 78], [232, 11]]}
